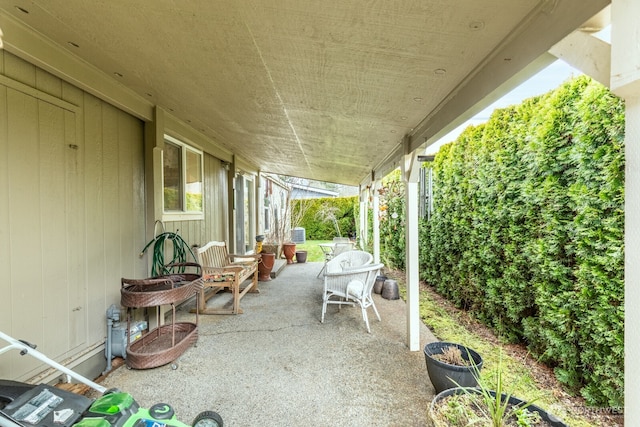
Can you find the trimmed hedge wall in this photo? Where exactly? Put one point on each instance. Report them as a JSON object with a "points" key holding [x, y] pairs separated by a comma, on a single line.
{"points": [[528, 232], [314, 218], [392, 224]]}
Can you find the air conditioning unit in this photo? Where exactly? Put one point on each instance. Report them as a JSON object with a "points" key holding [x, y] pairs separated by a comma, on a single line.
{"points": [[298, 235]]}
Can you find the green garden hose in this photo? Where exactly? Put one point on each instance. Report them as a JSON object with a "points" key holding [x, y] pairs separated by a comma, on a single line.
{"points": [[180, 250]]}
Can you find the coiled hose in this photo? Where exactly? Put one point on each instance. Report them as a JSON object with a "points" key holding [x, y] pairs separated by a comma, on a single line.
{"points": [[180, 249]]}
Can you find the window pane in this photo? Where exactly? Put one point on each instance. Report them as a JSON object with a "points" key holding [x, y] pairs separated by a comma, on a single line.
{"points": [[247, 215], [194, 182], [172, 170]]}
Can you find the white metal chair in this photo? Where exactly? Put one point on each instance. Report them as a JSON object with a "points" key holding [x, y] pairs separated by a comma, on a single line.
{"points": [[350, 287]]}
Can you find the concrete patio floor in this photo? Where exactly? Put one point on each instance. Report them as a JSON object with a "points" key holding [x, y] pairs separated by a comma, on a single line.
{"points": [[277, 365]]}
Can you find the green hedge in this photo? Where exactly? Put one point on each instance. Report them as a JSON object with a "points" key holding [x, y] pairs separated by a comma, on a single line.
{"points": [[392, 231], [318, 214], [528, 229]]}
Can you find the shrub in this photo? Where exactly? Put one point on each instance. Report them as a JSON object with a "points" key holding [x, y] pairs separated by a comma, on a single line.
{"points": [[528, 229]]}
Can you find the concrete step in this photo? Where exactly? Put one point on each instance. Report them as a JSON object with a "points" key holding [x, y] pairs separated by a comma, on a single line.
{"points": [[278, 266]]}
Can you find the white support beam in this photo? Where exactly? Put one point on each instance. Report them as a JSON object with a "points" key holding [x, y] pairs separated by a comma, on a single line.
{"points": [[410, 176], [632, 260], [587, 53], [410, 163], [625, 82], [388, 165], [364, 220], [625, 48], [411, 265], [375, 186]]}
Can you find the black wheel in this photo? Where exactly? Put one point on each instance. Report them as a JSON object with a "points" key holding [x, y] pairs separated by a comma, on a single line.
{"points": [[161, 411], [207, 419]]}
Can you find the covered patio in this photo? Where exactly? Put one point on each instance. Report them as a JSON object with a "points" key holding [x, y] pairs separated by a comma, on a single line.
{"points": [[278, 365], [95, 95]]}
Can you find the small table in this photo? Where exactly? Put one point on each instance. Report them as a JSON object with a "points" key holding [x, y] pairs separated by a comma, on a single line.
{"points": [[327, 248], [327, 251]]}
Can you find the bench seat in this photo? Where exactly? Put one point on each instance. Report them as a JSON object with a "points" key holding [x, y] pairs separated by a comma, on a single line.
{"points": [[222, 270]]}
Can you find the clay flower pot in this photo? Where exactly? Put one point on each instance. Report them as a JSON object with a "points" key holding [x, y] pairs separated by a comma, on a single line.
{"points": [[267, 260], [289, 250]]}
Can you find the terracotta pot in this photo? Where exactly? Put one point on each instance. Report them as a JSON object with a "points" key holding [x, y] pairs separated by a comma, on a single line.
{"points": [[289, 250], [265, 266]]}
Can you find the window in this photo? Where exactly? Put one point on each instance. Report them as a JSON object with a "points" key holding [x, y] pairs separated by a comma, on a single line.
{"points": [[182, 178], [267, 202], [245, 213]]}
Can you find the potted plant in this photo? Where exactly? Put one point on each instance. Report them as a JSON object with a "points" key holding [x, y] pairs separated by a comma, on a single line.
{"points": [[268, 256], [464, 406], [451, 365], [271, 248]]}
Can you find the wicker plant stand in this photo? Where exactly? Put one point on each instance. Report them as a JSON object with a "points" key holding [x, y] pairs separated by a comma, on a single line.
{"points": [[165, 343]]}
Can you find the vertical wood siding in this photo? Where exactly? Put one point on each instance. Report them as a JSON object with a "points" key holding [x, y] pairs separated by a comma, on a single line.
{"points": [[71, 212]]}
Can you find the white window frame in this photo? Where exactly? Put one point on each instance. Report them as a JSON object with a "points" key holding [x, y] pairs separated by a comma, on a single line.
{"points": [[183, 215], [266, 211]]}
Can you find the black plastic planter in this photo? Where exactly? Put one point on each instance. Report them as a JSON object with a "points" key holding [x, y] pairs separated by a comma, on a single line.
{"points": [[377, 286], [301, 256], [445, 376], [551, 419]]}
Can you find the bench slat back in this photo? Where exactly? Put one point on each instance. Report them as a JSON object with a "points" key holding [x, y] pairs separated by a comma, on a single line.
{"points": [[213, 254]]}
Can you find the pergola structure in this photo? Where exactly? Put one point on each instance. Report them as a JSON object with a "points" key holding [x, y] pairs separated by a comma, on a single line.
{"points": [[341, 90]]}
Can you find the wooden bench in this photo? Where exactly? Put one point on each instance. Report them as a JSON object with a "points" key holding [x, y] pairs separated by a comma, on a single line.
{"points": [[222, 270]]}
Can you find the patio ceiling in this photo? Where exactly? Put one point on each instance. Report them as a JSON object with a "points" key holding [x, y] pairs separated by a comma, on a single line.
{"points": [[326, 90]]}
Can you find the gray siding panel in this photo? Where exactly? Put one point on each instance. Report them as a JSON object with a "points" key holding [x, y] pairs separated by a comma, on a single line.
{"points": [[71, 213]]}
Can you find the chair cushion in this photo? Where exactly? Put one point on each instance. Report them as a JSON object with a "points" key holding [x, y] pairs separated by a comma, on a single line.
{"points": [[355, 288], [223, 277]]}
